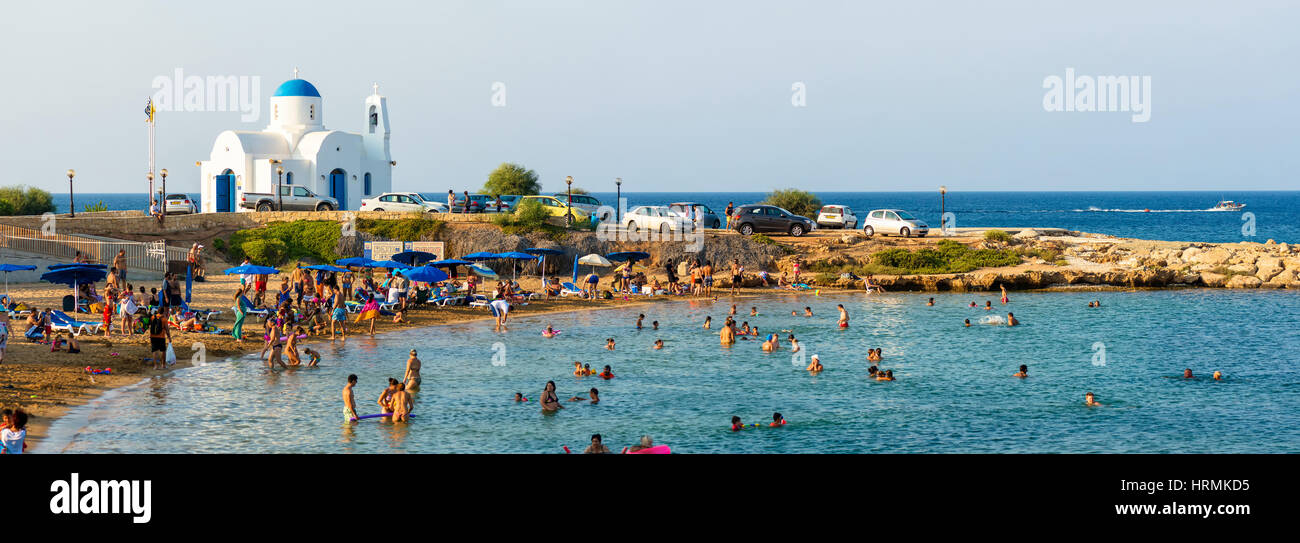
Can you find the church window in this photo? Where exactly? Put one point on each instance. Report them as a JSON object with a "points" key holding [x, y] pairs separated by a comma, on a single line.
{"points": [[288, 178], [374, 119]]}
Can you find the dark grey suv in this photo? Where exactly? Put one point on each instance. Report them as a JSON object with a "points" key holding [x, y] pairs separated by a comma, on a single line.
{"points": [[748, 219]]}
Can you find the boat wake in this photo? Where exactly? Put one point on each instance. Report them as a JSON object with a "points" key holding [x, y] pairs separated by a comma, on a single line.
{"points": [[1095, 209]]}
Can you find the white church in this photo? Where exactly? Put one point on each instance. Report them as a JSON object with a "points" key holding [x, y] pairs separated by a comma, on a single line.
{"points": [[344, 165]]}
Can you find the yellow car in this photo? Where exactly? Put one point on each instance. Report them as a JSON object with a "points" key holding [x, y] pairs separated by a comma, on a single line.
{"points": [[556, 207]]}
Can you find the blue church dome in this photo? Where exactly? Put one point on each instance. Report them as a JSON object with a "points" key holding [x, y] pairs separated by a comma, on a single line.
{"points": [[297, 87]]}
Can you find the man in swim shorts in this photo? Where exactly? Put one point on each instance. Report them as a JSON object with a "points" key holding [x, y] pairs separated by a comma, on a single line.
{"points": [[500, 309], [339, 316], [844, 316], [349, 401]]}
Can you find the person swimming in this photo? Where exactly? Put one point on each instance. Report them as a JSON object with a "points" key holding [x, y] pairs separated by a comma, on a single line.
{"points": [[727, 336], [777, 420], [586, 370], [753, 311], [736, 424], [794, 343], [844, 316], [815, 364], [873, 355], [767, 344], [972, 304], [708, 322], [1090, 400], [988, 305], [519, 397], [1187, 373], [744, 328], [607, 374], [968, 323], [1023, 373], [1011, 319], [655, 325], [659, 344], [593, 395], [888, 375], [609, 344], [930, 303], [577, 369], [549, 332], [872, 371], [1218, 375], [733, 310], [807, 312]]}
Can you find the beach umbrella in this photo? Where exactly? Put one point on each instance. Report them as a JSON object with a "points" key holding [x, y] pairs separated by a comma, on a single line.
{"points": [[480, 256], [72, 276], [53, 267], [450, 263], [543, 252], [325, 267], [385, 264], [424, 274], [514, 255], [13, 267], [414, 258], [483, 272], [251, 269], [357, 261], [628, 256], [592, 259]]}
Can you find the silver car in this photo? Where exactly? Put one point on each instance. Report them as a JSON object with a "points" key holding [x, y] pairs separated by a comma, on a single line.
{"points": [[894, 222], [704, 216]]}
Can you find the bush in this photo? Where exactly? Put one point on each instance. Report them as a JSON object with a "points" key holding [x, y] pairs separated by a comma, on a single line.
{"points": [[761, 238], [997, 235], [795, 201], [530, 214], [947, 257], [15, 200], [286, 241], [95, 207], [414, 229]]}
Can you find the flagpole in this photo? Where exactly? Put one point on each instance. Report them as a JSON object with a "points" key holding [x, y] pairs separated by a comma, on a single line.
{"points": [[152, 111]]}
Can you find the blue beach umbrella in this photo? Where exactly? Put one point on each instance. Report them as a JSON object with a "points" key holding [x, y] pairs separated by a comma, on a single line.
{"points": [[325, 267], [628, 256], [424, 274], [414, 258], [13, 267], [386, 264], [251, 269], [72, 276], [514, 255], [450, 263], [53, 267], [358, 261], [480, 256], [543, 252]]}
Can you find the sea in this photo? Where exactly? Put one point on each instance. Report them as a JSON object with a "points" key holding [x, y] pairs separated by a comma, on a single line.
{"points": [[1173, 216], [954, 391]]}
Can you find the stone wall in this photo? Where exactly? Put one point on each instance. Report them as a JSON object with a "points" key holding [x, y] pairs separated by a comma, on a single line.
{"points": [[135, 225]]}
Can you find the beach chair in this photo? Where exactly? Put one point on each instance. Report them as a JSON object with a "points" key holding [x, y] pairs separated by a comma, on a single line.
{"points": [[479, 300], [61, 321], [201, 314], [567, 288]]}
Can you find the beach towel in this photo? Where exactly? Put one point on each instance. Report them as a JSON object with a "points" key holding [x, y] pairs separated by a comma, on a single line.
{"points": [[368, 311]]}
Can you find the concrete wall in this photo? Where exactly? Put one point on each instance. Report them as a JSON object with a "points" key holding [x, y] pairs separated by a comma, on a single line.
{"points": [[140, 225]]}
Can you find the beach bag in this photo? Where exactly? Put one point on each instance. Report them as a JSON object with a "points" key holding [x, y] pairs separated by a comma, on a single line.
{"points": [[171, 355]]}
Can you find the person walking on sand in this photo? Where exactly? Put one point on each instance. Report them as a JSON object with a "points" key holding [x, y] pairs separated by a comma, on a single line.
{"points": [[119, 262], [349, 401], [159, 336], [4, 334], [242, 305], [412, 375]]}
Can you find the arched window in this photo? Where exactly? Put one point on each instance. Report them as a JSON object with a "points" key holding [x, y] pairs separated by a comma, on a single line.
{"points": [[288, 178], [367, 184], [374, 119]]}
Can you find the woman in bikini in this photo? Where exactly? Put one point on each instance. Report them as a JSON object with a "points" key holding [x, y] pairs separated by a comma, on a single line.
{"points": [[550, 402]]}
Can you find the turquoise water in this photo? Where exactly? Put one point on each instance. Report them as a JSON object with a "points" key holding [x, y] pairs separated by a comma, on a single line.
{"points": [[954, 392]]}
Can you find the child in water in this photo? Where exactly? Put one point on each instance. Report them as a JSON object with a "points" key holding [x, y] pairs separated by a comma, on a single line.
{"points": [[659, 344], [577, 369], [548, 332], [609, 344], [777, 420], [519, 397], [313, 357], [736, 424]]}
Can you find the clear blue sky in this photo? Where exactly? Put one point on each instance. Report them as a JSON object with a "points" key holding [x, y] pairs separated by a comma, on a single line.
{"points": [[679, 96]]}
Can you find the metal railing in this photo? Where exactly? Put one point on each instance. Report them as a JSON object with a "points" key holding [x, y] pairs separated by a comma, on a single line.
{"points": [[150, 256]]}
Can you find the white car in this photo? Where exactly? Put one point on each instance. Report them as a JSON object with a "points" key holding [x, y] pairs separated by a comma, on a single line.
{"points": [[835, 216], [894, 222], [653, 218], [402, 201], [585, 202], [179, 203]]}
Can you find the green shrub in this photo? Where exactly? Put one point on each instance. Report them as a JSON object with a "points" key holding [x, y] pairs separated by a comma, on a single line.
{"points": [[18, 200], [761, 238], [265, 252], [287, 241], [413, 229], [997, 235], [95, 207], [796, 201]]}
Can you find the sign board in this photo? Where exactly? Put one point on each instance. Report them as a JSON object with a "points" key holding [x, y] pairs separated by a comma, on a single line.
{"points": [[382, 250], [435, 247]]}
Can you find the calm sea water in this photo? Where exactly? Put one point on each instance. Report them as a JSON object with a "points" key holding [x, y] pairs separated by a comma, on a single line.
{"points": [[1177, 216], [954, 392]]}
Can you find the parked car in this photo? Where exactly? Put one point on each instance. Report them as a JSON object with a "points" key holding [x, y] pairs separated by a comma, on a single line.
{"points": [[837, 216], [179, 203], [557, 207], [293, 197], [704, 216], [402, 201], [654, 218], [748, 219], [584, 202], [894, 222], [507, 204]]}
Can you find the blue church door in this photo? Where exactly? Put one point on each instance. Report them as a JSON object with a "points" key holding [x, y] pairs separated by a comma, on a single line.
{"points": [[225, 193], [339, 187]]}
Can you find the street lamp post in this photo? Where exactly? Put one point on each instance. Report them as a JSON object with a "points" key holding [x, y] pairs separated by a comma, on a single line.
{"points": [[568, 213], [279, 196], [943, 201], [618, 200], [162, 201], [71, 208]]}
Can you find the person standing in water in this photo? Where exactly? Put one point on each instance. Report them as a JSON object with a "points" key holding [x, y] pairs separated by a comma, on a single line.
{"points": [[412, 376], [402, 405], [727, 336], [349, 401], [844, 316], [1011, 319], [500, 309], [1023, 373], [1090, 400], [1004, 294], [549, 401]]}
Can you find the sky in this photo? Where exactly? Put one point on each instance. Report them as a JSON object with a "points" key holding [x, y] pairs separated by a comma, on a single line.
{"points": [[678, 95]]}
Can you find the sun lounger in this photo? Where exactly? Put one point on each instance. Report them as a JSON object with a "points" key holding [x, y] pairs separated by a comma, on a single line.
{"points": [[570, 289], [61, 321]]}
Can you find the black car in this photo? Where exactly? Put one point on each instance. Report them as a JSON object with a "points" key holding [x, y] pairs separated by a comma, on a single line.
{"points": [[749, 219]]}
